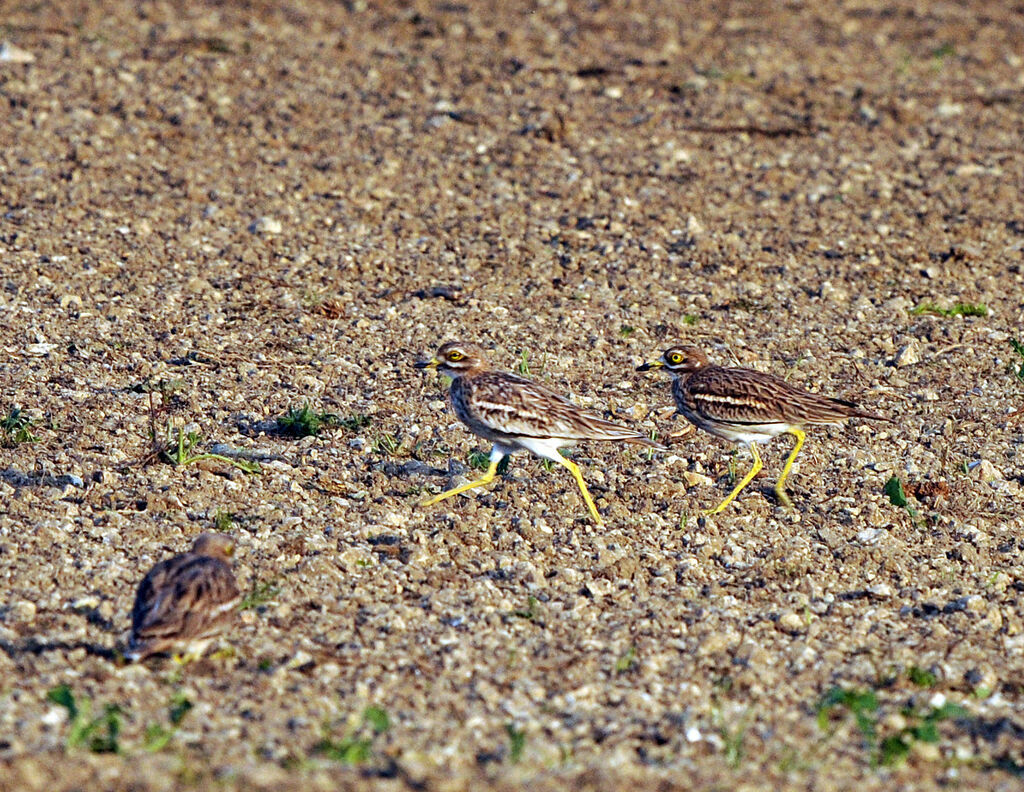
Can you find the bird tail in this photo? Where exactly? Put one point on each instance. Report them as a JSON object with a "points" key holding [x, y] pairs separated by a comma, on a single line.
{"points": [[853, 410], [600, 429], [639, 439]]}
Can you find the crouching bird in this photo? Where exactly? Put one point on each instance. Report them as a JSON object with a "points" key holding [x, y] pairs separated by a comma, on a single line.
{"points": [[186, 601]]}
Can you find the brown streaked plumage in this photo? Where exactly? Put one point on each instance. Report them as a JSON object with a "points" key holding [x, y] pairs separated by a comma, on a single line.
{"points": [[185, 601], [746, 407], [516, 413]]}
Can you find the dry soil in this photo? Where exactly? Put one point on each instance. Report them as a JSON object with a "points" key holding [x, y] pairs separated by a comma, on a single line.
{"points": [[213, 212]]}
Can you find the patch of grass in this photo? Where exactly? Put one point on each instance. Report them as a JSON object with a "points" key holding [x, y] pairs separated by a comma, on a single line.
{"points": [[516, 742], [167, 388], [649, 453], [1019, 349], [478, 460], [921, 724], [734, 739], [158, 736], [523, 366], [259, 595], [186, 452], [922, 677], [223, 520], [959, 309], [386, 444], [305, 421], [530, 613], [356, 747], [97, 734], [943, 51], [712, 73], [862, 704], [627, 661], [353, 423], [690, 319], [626, 330], [16, 429]]}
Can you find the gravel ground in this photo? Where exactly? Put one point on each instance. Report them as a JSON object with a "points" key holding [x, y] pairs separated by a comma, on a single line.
{"points": [[214, 212]]}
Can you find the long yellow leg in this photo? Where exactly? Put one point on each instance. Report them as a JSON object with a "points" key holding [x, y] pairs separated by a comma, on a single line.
{"points": [[575, 470], [782, 496], [746, 480], [485, 479]]}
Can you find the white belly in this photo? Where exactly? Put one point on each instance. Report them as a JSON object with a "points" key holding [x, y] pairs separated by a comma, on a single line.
{"points": [[745, 435]]}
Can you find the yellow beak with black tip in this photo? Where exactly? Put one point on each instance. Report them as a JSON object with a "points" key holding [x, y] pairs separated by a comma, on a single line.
{"points": [[433, 363], [654, 364]]}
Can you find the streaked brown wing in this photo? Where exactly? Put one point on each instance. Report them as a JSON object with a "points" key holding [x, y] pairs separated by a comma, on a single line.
{"points": [[517, 406], [183, 598], [746, 397]]}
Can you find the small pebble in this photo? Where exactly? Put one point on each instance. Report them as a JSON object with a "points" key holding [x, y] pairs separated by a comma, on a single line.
{"points": [[909, 355], [266, 225]]}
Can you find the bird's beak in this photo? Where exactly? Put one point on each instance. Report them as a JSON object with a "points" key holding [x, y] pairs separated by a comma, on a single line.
{"points": [[433, 363], [654, 364]]}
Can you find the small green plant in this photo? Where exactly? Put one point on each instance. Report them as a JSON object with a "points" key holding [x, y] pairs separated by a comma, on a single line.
{"points": [[627, 661], [921, 725], [922, 677], [516, 742], [185, 452], [523, 366], [305, 421], [157, 736], [1019, 349], [862, 704], [16, 429], [356, 747], [653, 434], [478, 460], [898, 498], [530, 612], [260, 594], [99, 734], [353, 423], [943, 51], [626, 330], [734, 739], [690, 319], [960, 309], [223, 520], [387, 444]]}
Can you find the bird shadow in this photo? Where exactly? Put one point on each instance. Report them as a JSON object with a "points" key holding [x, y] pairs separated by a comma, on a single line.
{"points": [[33, 647]]}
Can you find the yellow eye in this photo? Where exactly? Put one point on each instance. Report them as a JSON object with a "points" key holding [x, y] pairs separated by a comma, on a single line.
{"points": [[455, 356], [675, 357]]}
